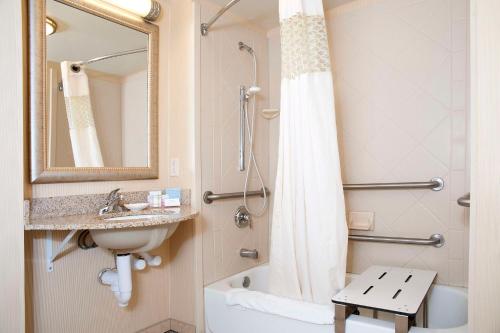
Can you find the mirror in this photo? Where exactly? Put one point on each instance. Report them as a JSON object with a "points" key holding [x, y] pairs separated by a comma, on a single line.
{"points": [[93, 102]]}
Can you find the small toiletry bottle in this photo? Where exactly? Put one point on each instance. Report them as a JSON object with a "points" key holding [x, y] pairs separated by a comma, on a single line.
{"points": [[154, 199], [164, 199]]}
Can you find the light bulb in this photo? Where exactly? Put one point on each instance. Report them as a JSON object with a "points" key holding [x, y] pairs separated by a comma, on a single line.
{"points": [[50, 26], [148, 9]]}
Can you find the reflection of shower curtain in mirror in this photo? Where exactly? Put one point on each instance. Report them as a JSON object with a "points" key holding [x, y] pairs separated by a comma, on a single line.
{"points": [[309, 231], [82, 131]]}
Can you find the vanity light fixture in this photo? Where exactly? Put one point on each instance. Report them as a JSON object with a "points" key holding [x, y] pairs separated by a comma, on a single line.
{"points": [[50, 26], [148, 9]]}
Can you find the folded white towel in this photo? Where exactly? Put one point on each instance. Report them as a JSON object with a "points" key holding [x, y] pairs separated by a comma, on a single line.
{"points": [[281, 306]]}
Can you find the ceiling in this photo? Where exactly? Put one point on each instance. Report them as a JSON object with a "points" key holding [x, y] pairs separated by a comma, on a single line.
{"points": [[264, 13], [82, 36]]}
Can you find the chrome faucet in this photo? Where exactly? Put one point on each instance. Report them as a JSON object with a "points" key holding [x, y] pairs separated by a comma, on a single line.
{"points": [[113, 201]]}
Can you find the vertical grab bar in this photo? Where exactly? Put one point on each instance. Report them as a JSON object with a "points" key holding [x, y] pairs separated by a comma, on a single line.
{"points": [[243, 99]]}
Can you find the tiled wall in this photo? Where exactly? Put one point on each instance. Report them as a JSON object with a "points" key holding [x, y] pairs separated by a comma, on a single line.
{"points": [[223, 69], [400, 87]]}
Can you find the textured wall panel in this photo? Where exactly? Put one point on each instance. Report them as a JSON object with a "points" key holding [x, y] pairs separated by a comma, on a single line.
{"points": [[223, 69]]}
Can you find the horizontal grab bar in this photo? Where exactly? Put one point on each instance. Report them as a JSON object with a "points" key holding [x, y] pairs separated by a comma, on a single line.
{"points": [[435, 184], [209, 196], [464, 200], [436, 240]]}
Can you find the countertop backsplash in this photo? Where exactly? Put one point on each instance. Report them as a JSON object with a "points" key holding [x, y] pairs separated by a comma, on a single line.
{"points": [[83, 204]]}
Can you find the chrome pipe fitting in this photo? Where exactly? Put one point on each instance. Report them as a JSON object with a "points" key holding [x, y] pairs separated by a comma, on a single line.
{"points": [[252, 254]]}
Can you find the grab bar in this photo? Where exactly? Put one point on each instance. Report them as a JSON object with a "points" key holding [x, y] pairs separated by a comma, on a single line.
{"points": [[464, 200], [435, 184], [209, 196], [436, 240]]}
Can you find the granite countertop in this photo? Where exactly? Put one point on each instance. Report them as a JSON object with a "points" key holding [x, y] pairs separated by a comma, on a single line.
{"points": [[94, 221]]}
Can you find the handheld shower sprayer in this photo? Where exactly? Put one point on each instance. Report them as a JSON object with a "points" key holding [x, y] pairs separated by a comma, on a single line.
{"points": [[250, 125]]}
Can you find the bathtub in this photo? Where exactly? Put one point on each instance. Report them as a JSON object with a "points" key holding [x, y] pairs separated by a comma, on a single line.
{"points": [[447, 311]]}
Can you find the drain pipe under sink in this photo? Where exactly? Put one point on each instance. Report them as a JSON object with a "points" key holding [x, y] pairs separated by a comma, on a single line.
{"points": [[120, 279]]}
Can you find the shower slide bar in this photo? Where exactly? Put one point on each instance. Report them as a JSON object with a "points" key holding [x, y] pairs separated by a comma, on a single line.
{"points": [[436, 240], [435, 184], [206, 26]]}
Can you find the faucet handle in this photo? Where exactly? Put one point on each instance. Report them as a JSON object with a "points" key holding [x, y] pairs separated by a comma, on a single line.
{"points": [[113, 195]]}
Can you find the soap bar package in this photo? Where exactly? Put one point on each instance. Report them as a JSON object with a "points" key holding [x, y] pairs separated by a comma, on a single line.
{"points": [[171, 197]]}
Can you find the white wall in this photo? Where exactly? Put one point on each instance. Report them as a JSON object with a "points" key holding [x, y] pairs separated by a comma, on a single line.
{"points": [[11, 166], [400, 76], [134, 121], [105, 95], [484, 273]]}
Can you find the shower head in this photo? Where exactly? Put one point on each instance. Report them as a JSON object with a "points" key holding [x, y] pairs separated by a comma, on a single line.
{"points": [[243, 46]]}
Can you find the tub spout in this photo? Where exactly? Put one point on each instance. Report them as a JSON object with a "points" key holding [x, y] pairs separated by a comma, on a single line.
{"points": [[246, 253]]}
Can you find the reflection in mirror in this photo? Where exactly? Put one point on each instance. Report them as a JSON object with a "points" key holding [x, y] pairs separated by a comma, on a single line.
{"points": [[97, 91]]}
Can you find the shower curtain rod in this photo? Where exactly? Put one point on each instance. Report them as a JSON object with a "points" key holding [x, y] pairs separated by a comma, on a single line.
{"points": [[205, 26], [112, 55]]}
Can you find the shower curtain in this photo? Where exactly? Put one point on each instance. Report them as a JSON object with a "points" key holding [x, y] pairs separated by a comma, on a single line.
{"points": [[82, 131], [309, 231]]}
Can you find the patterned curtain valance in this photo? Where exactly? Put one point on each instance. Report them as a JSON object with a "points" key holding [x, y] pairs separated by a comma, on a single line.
{"points": [[304, 45]]}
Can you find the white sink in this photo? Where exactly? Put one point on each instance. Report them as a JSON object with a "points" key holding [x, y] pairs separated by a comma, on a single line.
{"points": [[134, 239]]}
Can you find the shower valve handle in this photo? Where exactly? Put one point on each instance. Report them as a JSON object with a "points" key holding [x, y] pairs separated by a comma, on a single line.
{"points": [[242, 218]]}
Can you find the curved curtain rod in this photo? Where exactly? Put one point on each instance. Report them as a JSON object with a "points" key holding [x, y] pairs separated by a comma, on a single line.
{"points": [[112, 55], [206, 26]]}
